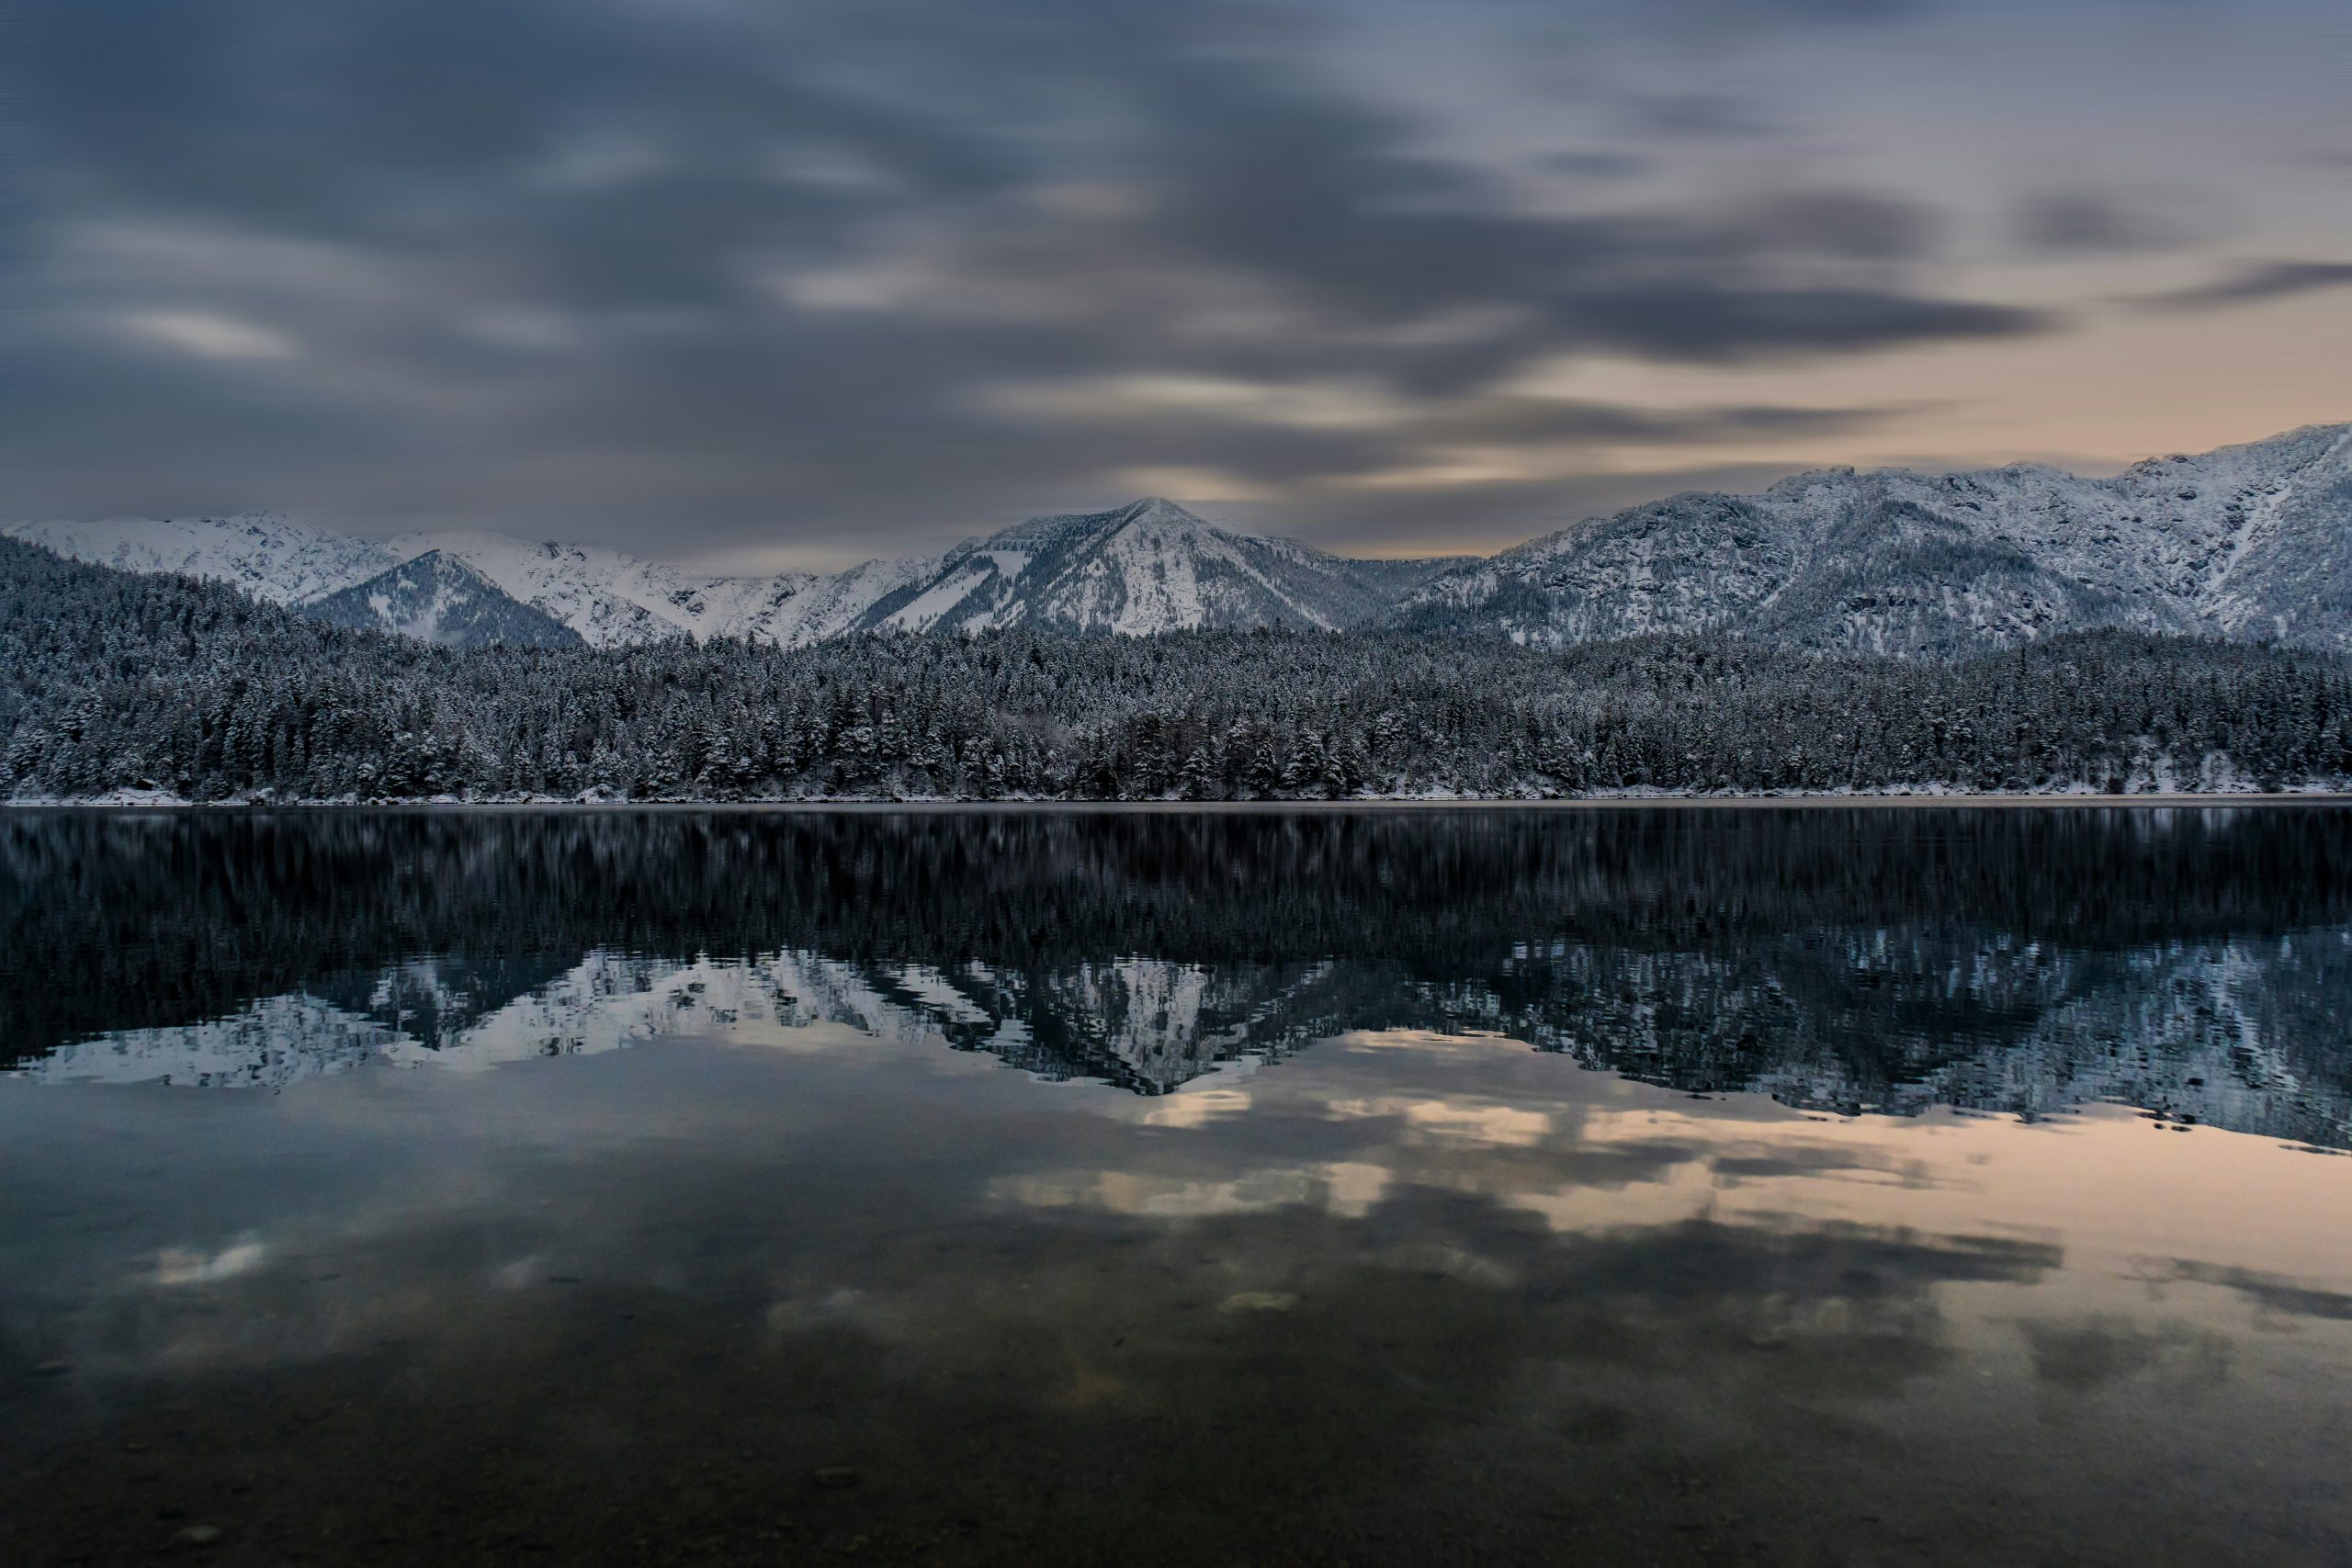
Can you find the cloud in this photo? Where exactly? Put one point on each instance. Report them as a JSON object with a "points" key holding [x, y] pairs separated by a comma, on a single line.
{"points": [[741, 272], [193, 1266], [2089, 224], [2254, 281], [1711, 23], [212, 337], [1700, 116]]}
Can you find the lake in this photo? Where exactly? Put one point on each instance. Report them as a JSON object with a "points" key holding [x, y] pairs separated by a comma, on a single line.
{"points": [[1807, 1185]]}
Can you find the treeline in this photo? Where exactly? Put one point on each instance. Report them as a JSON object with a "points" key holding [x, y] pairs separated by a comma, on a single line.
{"points": [[110, 682]]}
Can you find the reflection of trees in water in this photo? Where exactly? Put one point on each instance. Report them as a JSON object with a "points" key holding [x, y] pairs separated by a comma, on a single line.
{"points": [[2186, 960]]}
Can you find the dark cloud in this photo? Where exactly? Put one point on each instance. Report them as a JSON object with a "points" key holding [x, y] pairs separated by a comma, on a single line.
{"points": [[1598, 165], [2256, 281], [1700, 116], [734, 269], [1711, 22], [2084, 223]]}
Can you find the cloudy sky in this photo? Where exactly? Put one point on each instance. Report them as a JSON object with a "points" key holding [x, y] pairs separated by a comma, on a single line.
{"points": [[767, 283]]}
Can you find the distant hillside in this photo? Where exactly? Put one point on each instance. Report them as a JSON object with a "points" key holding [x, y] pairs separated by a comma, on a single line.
{"points": [[437, 598], [613, 598], [2251, 543], [277, 558]]}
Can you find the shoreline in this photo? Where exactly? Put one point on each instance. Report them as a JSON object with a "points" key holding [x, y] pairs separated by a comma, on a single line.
{"points": [[1370, 804]]}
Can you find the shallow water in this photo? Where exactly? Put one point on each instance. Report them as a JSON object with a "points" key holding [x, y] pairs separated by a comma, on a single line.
{"points": [[1807, 1186]]}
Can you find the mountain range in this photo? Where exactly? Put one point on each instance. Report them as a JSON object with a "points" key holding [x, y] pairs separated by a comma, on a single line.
{"points": [[2251, 542]]}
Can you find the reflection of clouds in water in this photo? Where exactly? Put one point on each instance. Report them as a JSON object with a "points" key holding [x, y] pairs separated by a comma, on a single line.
{"points": [[908, 1242], [2273, 1296], [1344, 1188], [1505, 1125], [1800, 1230], [192, 1266], [518, 1274], [1196, 1106], [2082, 1355], [1762, 1162]]}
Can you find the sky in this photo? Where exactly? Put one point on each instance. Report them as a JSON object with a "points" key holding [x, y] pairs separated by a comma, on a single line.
{"points": [[795, 283]]}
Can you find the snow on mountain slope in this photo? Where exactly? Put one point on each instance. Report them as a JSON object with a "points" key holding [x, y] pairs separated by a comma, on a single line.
{"points": [[2286, 571], [611, 598], [438, 598], [2251, 541], [832, 606], [2245, 541], [1146, 567], [270, 556], [607, 597]]}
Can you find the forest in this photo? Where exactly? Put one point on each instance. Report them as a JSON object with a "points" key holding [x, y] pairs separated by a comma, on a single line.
{"points": [[113, 683]]}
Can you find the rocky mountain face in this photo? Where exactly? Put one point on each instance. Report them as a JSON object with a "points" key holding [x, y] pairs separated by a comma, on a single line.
{"points": [[439, 599], [1146, 567], [2250, 542]]}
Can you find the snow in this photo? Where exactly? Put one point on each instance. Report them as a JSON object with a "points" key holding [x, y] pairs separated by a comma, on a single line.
{"points": [[614, 599], [2242, 541], [268, 554], [926, 609], [1149, 567], [1903, 562], [1145, 568], [607, 597]]}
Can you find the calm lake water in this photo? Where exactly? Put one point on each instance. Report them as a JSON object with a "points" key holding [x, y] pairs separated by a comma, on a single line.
{"points": [[1808, 1187]]}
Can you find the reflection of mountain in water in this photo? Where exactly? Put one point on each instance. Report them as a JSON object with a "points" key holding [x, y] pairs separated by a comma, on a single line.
{"points": [[2210, 1034], [1849, 960]]}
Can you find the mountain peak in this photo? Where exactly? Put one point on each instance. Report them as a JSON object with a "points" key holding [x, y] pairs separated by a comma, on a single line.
{"points": [[1159, 509], [439, 597]]}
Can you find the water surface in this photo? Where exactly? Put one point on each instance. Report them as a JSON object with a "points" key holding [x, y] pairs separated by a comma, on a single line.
{"points": [[1901, 1186]]}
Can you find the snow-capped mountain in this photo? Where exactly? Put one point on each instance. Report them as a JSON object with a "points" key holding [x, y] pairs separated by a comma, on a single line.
{"points": [[2247, 541], [1147, 566], [606, 597], [270, 555], [438, 598], [611, 598]]}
